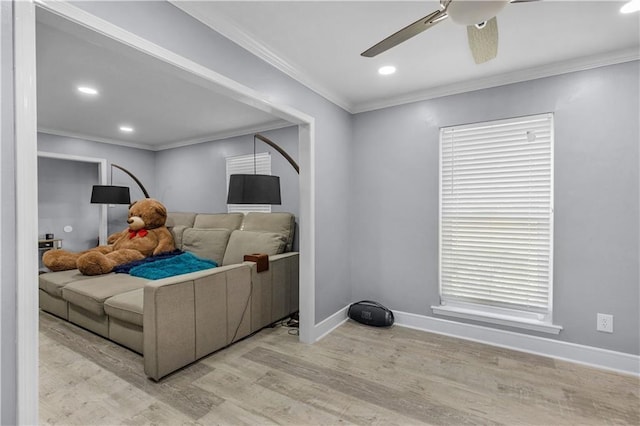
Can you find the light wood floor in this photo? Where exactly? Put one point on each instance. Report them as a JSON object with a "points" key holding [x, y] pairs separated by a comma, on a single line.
{"points": [[356, 375]]}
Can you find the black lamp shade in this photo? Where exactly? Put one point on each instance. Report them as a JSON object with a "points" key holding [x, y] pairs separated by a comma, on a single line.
{"points": [[109, 194], [254, 189]]}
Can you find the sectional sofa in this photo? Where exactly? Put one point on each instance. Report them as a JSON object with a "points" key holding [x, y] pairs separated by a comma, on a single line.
{"points": [[174, 321]]}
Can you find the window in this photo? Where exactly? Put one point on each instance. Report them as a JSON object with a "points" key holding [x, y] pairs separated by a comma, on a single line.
{"points": [[248, 164], [496, 222]]}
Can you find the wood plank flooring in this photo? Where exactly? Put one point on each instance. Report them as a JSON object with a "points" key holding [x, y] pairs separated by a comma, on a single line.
{"points": [[356, 375]]}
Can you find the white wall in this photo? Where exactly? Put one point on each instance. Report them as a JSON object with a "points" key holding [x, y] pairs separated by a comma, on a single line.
{"points": [[394, 226]]}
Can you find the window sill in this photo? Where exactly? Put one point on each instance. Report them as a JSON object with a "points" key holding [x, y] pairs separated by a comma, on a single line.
{"points": [[496, 318]]}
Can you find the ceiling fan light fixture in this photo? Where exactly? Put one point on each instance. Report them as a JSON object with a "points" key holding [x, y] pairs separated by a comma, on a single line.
{"points": [[630, 6], [474, 12], [483, 41]]}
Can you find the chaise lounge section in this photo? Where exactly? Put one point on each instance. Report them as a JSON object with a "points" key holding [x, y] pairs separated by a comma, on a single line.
{"points": [[177, 320]]}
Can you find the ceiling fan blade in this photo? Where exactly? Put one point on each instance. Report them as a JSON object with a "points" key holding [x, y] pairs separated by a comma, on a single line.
{"points": [[406, 33], [483, 41]]}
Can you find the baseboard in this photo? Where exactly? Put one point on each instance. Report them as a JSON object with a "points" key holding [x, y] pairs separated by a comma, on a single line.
{"points": [[329, 324], [587, 355], [605, 359]]}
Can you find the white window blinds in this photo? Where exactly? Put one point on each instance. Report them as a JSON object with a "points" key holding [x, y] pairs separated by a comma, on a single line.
{"points": [[496, 213], [244, 164]]}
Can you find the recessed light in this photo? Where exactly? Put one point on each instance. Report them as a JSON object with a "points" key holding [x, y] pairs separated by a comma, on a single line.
{"points": [[87, 90], [387, 70], [630, 6], [126, 129]]}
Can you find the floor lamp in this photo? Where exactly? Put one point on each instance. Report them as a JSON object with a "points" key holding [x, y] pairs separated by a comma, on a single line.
{"points": [[258, 189], [111, 194]]}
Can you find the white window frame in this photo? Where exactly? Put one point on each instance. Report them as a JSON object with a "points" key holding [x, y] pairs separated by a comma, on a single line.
{"points": [[459, 306], [259, 164]]}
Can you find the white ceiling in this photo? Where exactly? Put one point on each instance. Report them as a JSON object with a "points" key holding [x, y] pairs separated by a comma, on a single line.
{"points": [[166, 107], [319, 43]]}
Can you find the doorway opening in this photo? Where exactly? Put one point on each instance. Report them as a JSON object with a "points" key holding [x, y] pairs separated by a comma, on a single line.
{"points": [[26, 176]]}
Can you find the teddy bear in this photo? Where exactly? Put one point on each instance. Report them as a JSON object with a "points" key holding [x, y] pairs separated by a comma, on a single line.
{"points": [[146, 235]]}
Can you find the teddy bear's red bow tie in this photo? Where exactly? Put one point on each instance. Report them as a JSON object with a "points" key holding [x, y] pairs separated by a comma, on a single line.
{"points": [[140, 232]]}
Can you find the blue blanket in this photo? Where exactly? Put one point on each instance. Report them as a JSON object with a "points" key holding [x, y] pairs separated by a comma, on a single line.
{"points": [[126, 267], [176, 265]]}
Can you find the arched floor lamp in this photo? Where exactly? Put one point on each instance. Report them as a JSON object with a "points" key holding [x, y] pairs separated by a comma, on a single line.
{"points": [[111, 194], [258, 189]]}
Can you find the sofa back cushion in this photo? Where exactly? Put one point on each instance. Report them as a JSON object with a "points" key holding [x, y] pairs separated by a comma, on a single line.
{"points": [[177, 222], [249, 242], [177, 232], [280, 223], [230, 221], [206, 243], [180, 219]]}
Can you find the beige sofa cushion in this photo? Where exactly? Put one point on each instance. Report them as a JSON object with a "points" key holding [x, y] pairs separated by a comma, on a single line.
{"points": [[249, 242], [126, 306], [230, 221], [206, 243], [280, 223], [53, 282], [177, 222], [90, 294], [177, 232], [180, 219]]}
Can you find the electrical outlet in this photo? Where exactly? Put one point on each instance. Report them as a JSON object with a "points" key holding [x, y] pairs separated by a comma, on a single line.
{"points": [[605, 323]]}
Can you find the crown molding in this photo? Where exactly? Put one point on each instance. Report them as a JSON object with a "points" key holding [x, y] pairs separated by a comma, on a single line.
{"points": [[272, 125], [230, 30], [227, 28], [77, 135], [527, 74]]}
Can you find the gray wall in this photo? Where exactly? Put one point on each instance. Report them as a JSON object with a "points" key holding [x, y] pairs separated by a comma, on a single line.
{"points": [[140, 162], [167, 26], [394, 236], [8, 270], [193, 178], [64, 189]]}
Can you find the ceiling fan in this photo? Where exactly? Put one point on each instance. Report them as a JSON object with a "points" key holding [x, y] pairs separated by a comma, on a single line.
{"points": [[478, 16]]}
